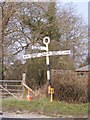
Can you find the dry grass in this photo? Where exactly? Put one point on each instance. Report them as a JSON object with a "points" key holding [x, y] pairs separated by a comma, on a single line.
{"points": [[43, 106]]}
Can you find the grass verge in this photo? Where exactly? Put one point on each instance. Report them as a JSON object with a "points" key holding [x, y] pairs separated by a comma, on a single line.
{"points": [[44, 106]]}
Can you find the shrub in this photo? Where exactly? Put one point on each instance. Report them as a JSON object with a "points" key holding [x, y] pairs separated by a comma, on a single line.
{"points": [[69, 87]]}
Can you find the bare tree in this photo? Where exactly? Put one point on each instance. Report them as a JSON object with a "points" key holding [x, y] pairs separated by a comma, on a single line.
{"points": [[33, 21]]}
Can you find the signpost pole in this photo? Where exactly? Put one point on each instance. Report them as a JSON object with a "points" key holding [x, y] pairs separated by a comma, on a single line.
{"points": [[48, 53], [46, 41]]}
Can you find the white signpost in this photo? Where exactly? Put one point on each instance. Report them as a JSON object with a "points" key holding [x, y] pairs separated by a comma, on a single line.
{"points": [[48, 53]]}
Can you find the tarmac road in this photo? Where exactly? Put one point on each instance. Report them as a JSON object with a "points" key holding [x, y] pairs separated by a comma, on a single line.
{"points": [[31, 116], [23, 115]]}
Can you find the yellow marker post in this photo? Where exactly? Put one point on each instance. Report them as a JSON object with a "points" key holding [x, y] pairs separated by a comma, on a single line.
{"points": [[51, 97], [52, 92]]}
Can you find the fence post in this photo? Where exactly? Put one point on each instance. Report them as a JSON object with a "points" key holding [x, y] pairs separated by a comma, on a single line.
{"points": [[23, 81]]}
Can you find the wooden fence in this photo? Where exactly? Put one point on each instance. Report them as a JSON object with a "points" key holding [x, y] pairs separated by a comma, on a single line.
{"points": [[11, 88], [14, 88]]}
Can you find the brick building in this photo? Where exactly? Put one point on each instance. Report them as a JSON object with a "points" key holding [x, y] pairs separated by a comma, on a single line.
{"points": [[83, 71]]}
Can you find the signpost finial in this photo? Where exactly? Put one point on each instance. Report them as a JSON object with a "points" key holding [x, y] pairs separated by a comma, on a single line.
{"points": [[46, 40]]}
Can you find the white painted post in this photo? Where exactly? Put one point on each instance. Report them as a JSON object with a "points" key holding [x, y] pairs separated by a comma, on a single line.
{"points": [[24, 84]]}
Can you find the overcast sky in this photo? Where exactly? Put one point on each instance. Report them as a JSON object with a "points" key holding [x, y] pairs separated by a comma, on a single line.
{"points": [[82, 7]]}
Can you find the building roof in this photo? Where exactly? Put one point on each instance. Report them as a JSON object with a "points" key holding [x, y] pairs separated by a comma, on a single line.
{"points": [[85, 68]]}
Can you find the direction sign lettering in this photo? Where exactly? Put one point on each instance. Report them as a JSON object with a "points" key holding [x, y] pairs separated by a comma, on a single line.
{"points": [[50, 53], [39, 47]]}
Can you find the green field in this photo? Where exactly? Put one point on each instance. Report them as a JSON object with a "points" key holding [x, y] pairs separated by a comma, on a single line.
{"points": [[44, 107]]}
